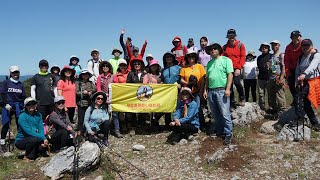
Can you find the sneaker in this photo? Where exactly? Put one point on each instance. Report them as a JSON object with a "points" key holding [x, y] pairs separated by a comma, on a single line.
{"points": [[117, 134], [316, 127], [242, 103], [227, 140], [213, 135]]}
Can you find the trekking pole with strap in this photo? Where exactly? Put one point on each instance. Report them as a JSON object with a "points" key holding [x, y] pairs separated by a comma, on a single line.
{"points": [[300, 111], [75, 172], [100, 144]]}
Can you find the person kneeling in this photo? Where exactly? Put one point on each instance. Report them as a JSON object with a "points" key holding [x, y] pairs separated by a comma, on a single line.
{"points": [[96, 119], [30, 135], [60, 128], [186, 119]]}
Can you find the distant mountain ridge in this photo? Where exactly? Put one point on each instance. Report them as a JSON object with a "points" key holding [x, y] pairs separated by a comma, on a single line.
{"points": [[22, 78]]}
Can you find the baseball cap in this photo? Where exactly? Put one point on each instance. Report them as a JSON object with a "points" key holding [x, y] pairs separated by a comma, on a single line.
{"points": [[231, 32], [94, 51], [29, 100], [58, 98], [275, 42], [178, 40], [122, 61], [14, 68], [306, 42], [295, 33], [150, 55]]}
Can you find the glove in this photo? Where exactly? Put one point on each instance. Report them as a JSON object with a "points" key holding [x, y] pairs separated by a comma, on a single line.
{"points": [[8, 107]]}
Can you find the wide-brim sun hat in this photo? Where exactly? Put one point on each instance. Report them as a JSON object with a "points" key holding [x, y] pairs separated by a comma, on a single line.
{"points": [[169, 53], [95, 95], [65, 68], [264, 44], [186, 89], [116, 50], [84, 71], [154, 62], [59, 98], [191, 53], [252, 53]]}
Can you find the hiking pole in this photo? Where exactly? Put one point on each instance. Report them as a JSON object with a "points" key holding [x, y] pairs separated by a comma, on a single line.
{"points": [[101, 147], [127, 161], [75, 172]]}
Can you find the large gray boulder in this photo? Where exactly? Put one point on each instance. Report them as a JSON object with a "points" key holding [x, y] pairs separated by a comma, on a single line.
{"points": [[290, 133], [245, 115], [89, 156], [268, 127]]}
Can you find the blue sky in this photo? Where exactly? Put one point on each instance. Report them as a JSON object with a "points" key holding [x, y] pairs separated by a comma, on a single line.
{"points": [[55, 30]]}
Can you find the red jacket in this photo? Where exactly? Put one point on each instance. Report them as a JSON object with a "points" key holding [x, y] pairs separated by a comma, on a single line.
{"points": [[140, 56], [291, 56], [179, 51], [236, 53], [120, 77]]}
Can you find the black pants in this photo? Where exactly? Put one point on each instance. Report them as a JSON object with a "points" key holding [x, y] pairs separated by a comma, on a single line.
{"points": [[185, 129], [291, 84], [5, 127], [237, 83], [81, 113], [104, 129], [137, 119], [60, 139], [302, 95], [31, 145], [71, 111], [44, 110], [250, 84]]}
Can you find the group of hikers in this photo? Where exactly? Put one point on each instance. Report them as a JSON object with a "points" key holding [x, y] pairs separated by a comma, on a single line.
{"points": [[204, 78]]}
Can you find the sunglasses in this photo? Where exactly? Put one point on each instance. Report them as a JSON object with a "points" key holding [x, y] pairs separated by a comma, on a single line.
{"points": [[105, 66], [136, 64], [99, 98], [15, 72], [60, 102], [31, 104]]}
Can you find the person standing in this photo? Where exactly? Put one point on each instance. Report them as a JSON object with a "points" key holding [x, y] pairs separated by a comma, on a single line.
{"points": [[264, 74], [12, 94], [277, 80], [179, 50], [44, 89], [191, 46], [236, 51], [217, 90], [115, 61], [67, 88], [307, 68], [93, 65], [250, 76], [291, 55], [74, 64], [204, 58]]}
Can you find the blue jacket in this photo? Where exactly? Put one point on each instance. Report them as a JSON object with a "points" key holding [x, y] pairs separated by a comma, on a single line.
{"points": [[30, 126], [192, 114], [93, 119]]}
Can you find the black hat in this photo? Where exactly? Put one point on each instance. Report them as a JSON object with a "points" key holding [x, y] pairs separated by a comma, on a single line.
{"points": [[116, 50], [190, 40], [295, 33], [43, 62], [231, 32], [306, 42], [169, 53], [95, 95], [214, 46]]}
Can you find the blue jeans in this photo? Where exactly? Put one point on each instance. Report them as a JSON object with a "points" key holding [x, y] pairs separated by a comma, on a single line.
{"points": [[220, 109], [115, 121], [200, 113]]}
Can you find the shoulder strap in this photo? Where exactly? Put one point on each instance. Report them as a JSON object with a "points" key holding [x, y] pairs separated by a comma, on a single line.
{"points": [[224, 48], [239, 45]]}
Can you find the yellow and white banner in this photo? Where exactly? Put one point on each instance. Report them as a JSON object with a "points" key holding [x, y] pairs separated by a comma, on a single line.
{"points": [[143, 98]]}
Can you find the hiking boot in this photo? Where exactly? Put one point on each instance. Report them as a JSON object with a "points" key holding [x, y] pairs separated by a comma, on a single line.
{"points": [[227, 140], [316, 127], [174, 138], [242, 103], [4, 148], [117, 134]]}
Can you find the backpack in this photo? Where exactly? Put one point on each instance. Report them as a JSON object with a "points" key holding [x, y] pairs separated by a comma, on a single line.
{"points": [[93, 62], [225, 46]]}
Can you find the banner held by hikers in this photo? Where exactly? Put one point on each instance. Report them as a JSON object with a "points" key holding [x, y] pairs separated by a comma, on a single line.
{"points": [[144, 97]]}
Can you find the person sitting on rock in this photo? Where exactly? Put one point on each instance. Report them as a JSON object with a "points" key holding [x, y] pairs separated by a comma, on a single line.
{"points": [[30, 135], [186, 119], [60, 129], [96, 118]]}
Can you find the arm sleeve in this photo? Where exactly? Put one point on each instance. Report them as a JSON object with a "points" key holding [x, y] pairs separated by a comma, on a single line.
{"points": [[94, 87], [192, 112], [90, 65], [55, 91], [115, 79], [143, 50], [60, 85], [4, 90], [33, 91], [23, 123], [99, 83], [129, 51], [242, 55], [78, 89], [177, 113], [129, 78], [185, 50], [313, 67], [54, 118], [86, 120], [125, 52], [286, 61]]}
